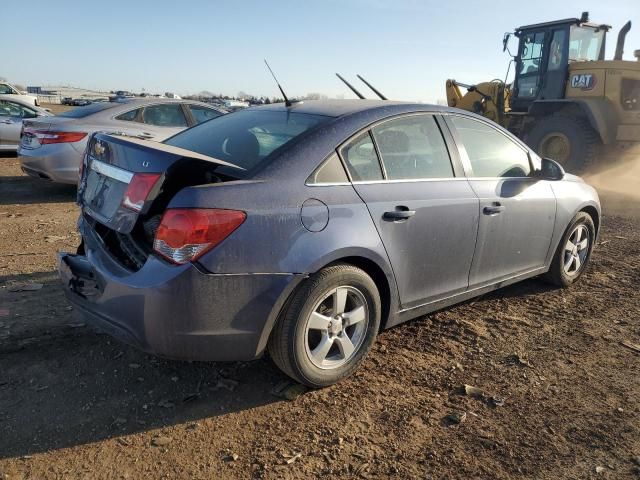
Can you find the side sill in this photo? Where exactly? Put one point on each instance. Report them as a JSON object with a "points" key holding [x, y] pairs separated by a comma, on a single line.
{"points": [[414, 312]]}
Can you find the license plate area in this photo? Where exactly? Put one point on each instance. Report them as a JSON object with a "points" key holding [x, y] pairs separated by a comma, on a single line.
{"points": [[104, 189]]}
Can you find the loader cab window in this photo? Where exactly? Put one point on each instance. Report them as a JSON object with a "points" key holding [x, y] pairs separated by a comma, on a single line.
{"points": [[557, 51], [585, 44], [530, 64]]}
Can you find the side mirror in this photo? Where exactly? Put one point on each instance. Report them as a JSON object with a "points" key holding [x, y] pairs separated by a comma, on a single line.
{"points": [[505, 41], [550, 170]]}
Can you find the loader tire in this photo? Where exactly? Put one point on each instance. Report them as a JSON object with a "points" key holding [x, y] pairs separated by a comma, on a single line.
{"points": [[569, 140]]}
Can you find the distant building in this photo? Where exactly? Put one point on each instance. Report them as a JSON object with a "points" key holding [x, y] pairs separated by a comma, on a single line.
{"points": [[235, 104]]}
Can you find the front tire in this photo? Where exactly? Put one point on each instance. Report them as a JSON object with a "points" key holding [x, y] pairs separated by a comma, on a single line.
{"points": [[573, 252], [569, 140], [328, 327]]}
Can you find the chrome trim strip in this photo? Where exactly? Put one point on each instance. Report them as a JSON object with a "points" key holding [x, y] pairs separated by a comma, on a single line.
{"points": [[110, 171], [411, 180], [329, 184], [414, 180]]}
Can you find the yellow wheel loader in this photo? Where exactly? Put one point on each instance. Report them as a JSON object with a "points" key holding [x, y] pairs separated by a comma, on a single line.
{"points": [[566, 101]]}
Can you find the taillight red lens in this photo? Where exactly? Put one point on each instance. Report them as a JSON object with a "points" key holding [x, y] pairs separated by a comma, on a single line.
{"points": [[185, 234], [138, 190], [46, 137]]}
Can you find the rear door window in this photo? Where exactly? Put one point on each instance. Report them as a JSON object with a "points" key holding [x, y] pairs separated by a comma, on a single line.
{"points": [[361, 159], [491, 153], [202, 114], [412, 147], [164, 115], [130, 116]]}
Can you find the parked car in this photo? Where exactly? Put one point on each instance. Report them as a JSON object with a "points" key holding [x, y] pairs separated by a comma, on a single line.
{"points": [[12, 112], [67, 101], [8, 91], [52, 148], [80, 102], [304, 230]]}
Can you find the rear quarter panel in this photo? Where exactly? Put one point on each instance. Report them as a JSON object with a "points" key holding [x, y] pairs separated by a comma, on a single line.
{"points": [[273, 238]]}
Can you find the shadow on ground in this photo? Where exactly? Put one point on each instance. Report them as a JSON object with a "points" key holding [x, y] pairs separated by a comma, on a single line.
{"points": [[64, 384], [28, 190], [22, 189], [69, 385]]}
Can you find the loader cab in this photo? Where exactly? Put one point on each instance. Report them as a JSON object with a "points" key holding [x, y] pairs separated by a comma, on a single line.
{"points": [[545, 51]]}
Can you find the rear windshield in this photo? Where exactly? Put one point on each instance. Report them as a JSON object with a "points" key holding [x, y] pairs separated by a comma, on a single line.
{"points": [[81, 112], [246, 138]]}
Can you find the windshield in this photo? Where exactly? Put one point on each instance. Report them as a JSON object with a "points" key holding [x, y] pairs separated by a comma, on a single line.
{"points": [[81, 112], [246, 138], [585, 44]]}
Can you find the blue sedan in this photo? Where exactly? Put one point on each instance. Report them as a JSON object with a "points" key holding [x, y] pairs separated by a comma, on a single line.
{"points": [[305, 229]]}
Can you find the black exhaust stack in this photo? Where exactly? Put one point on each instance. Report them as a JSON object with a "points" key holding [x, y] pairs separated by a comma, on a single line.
{"points": [[621, 37]]}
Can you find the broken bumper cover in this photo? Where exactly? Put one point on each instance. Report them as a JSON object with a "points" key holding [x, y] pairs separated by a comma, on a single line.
{"points": [[176, 311]]}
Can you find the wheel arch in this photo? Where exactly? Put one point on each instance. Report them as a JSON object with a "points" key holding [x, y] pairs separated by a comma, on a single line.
{"points": [[597, 111], [372, 269], [595, 216], [381, 275]]}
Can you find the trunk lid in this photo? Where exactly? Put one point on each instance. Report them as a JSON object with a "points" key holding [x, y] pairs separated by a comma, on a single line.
{"points": [[29, 140], [111, 163]]}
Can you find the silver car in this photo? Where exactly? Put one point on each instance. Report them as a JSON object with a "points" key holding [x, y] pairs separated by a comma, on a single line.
{"points": [[52, 147], [12, 112]]}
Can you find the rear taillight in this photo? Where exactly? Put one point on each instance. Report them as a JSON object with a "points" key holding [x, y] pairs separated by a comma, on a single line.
{"points": [[185, 234], [45, 137], [138, 190]]}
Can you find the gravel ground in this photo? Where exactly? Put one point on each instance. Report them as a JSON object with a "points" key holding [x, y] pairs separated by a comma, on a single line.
{"points": [[556, 389]]}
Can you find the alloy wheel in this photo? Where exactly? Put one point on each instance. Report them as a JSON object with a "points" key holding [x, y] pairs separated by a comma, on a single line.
{"points": [[336, 328], [576, 250]]}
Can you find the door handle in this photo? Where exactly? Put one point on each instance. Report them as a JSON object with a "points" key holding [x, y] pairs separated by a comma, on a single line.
{"points": [[400, 213], [494, 209]]}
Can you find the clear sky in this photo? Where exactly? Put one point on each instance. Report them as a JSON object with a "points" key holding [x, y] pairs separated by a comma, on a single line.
{"points": [[406, 48]]}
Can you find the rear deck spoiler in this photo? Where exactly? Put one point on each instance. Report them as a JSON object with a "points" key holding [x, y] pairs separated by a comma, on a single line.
{"points": [[163, 147]]}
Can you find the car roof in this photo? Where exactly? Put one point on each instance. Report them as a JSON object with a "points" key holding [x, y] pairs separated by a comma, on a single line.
{"points": [[112, 109], [338, 108], [147, 100]]}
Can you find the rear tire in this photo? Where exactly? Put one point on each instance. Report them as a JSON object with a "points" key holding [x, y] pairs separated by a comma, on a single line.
{"points": [[328, 326], [569, 263], [569, 140]]}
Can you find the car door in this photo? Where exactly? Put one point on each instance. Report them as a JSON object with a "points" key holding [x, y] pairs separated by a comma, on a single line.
{"points": [[423, 208], [10, 124], [517, 210], [163, 120]]}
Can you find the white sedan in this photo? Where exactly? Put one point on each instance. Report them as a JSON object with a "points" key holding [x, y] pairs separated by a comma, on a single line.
{"points": [[8, 91]]}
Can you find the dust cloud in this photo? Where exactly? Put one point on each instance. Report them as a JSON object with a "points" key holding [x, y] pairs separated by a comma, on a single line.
{"points": [[617, 181]]}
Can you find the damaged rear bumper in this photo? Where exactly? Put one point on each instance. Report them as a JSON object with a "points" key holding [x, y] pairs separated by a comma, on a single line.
{"points": [[175, 311]]}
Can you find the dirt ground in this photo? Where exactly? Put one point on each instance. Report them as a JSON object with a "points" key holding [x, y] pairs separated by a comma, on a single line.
{"points": [[559, 392], [56, 108]]}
